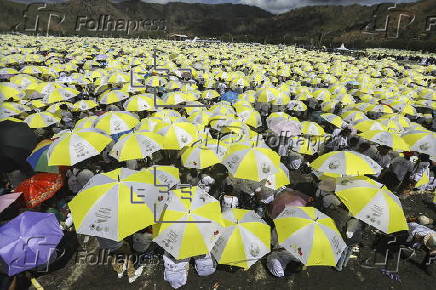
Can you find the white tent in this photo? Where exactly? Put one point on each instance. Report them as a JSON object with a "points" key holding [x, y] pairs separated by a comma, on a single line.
{"points": [[342, 47]]}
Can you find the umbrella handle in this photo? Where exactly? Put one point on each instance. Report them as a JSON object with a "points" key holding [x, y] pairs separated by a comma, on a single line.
{"points": [[36, 284]]}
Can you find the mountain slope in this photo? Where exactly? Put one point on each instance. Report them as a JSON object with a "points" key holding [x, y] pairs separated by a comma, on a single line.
{"points": [[355, 25]]}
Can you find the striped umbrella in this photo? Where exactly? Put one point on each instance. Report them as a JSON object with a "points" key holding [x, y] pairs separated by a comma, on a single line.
{"points": [[309, 235], [76, 146], [246, 239], [190, 224]]}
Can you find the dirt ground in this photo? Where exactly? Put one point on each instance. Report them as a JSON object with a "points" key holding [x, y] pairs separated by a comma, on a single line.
{"points": [[360, 273]]}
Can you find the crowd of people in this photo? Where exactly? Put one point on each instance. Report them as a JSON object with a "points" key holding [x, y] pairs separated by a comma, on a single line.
{"points": [[403, 172]]}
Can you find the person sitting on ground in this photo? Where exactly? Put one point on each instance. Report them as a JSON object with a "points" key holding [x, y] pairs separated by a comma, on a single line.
{"points": [[66, 117], [279, 258], [397, 175], [206, 182], [421, 171], [353, 236], [175, 271], [205, 265], [326, 192], [423, 237]]}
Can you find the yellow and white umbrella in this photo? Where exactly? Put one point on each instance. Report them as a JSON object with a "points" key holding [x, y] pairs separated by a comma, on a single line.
{"points": [[377, 207], [54, 108], [345, 163], [178, 135], [137, 145], [356, 182], [296, 105], [309, 235], [8, 109], [353, 116], [155, 81], [85, 123], [333, 119], [308, 145], [116, 122], [59, 94], [421, 141], [379, 109], [41, 120], [209, 94], [76, 146], [251, 163], [202, 155], [143, 102], [246, 239], [177, 97], [311, 128], [368, 125], [162, 176], [279, 179], [200, 117], [250, 117], [113, 96], [266, 95], [84, 105], [114, 205], [385, 138], [190, 224], [119, 77], [9, 90]]}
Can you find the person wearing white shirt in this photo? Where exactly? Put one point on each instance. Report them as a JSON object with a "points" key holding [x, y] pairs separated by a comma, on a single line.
{"points": [[383, 156], [422, 168], [228, 202], [279, 258], [205, 265], [206, 182], [400, 166], [176, 271]]}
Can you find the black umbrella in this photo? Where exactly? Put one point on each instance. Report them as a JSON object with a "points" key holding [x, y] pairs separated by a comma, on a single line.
{"points": [[17, 141]]}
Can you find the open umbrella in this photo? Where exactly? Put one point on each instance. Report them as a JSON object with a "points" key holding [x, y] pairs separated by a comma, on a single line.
{"points": [[76, 146], [7, 199], [309, 235], [253, 163], [377, 207], [229, 96], [288, 197], [246, 238], [345, 163], [190, 224], [29, 240], [114, 205], [386, 138], [39, 188], [38, 159], [137, 145], [17, 141]]}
